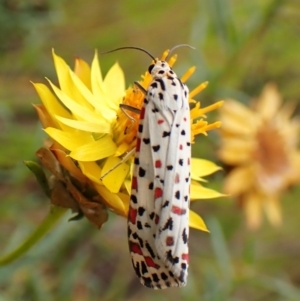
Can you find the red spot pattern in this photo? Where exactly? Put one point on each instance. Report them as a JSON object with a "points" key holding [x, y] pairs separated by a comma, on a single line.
{"points": [[138, 145], [132, 215], [156, 219], [158, 193], [142, 114], [134, 183], [170, 241], [177, 178], [160, 121], [185, 257], [150, 262], [179, 211], [189, 161], [180, 146], [135, 248], [184, 119], [158, 164]]}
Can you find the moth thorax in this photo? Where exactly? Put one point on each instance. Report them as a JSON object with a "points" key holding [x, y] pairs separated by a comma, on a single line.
{"points": [[160, 69]]}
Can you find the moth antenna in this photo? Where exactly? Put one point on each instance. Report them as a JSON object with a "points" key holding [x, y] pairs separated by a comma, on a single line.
{"points": [[177, 46], [130, 47]]}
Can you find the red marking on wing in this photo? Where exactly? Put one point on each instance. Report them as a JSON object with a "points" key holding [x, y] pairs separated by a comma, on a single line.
{"points": [[132, 215], [185, 257], [184, 118], [156, 220], [158, 193], [134, 183], [170, 241], [138, 145], [179, 211], [160, 121], [177, 178], [150, 262], [180, 146], [158, 164], [142, 114], [135, 248], [189, 161]]}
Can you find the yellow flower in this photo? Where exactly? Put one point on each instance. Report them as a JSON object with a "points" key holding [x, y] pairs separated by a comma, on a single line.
{"points": [[90, 136], [261, 145]]}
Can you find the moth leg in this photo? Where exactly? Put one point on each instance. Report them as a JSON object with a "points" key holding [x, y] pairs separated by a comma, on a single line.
{"points": [[124, 159], [141, 88]]}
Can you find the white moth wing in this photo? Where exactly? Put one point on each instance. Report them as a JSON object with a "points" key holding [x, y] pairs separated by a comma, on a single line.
{"points": [[158, 215]]}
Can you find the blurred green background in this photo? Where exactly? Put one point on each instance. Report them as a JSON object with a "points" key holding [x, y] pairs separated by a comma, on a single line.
{"points": [[240, 46]]}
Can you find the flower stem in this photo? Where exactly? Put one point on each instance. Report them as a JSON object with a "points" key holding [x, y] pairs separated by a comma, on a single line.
{"points": [[48, 223]]}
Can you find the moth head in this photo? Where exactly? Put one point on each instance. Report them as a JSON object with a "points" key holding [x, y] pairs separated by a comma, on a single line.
{"points": [[160, 69]]}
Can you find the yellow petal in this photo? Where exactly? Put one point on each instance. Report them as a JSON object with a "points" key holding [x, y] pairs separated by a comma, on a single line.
{"points": [[122, 148], [114, 179], [125, 199], [95, 150], [62, 71], [83, 71], [200, 192], [237, 118], [96, 74], [237, 151], [52, 105], [65, 81], [273, 210], [127, 185], [201, 168], [252, 206], [100, 126], [269, 102], [69, 140], [239, 180], [83, 112], [44, 117], [96, 102], [197, 222], [115, 91], [105, 94], [113, 200], [91, 170]]}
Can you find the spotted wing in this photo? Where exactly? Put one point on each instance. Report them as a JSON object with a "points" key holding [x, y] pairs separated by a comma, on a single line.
{"points": [[158, 216]]}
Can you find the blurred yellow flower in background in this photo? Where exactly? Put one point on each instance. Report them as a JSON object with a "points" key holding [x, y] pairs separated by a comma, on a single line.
{"points": [[90, 135], [261, 146]]}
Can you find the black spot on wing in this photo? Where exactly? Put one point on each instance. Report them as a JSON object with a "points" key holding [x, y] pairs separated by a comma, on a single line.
{"points": [[184, 236], [141, 211], [168, 224], [133, 198], [146, 140], [142, 172], [154, 85], [162, 84], [148, 247], [156, 148]]}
